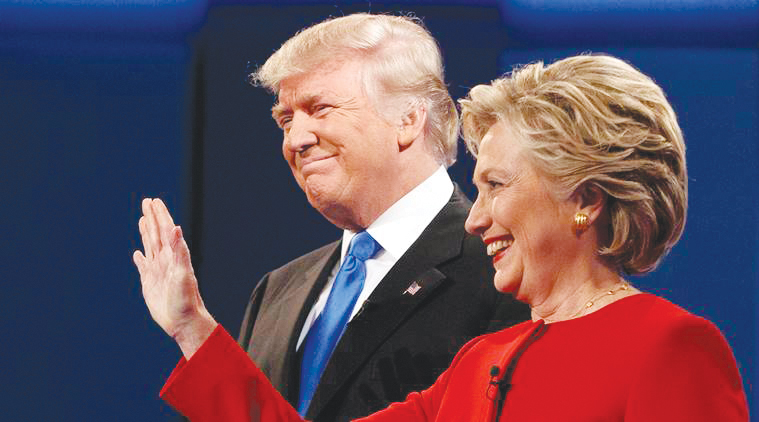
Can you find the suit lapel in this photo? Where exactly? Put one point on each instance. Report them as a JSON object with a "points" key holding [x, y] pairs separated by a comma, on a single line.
{"points": [[403, 289], [301, 295]]}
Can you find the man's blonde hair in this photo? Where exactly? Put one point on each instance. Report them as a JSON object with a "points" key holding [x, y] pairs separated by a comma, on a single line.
{"points": [[402, 68]]}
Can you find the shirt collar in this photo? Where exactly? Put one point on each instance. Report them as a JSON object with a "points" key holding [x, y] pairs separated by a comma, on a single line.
{"points": [[401, 224]]}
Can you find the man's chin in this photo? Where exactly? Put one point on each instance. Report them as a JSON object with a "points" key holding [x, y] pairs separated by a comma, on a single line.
{"points": [[321, 202], [340, 216]]}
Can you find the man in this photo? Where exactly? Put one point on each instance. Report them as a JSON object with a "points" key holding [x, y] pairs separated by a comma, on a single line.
{"points": [[369, 129]]}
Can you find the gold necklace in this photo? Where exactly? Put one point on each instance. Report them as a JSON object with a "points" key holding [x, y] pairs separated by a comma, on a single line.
{"points": [[589, 304]]}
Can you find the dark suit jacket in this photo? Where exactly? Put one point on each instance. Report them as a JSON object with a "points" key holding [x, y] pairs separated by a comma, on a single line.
{"points": [[398, 342]]}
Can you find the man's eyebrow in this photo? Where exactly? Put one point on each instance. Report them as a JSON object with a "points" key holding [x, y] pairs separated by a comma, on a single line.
{"points": [[278, 110], [307, 101]]}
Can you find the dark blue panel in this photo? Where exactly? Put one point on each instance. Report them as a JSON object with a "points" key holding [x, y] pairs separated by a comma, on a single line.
{"points": [[102, 16], [728, 23], [368, 3], [84, 137]]}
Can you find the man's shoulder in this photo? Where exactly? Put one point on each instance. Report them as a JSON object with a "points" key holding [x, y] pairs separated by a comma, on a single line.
{"points": [[284, 280], [318, 256]]}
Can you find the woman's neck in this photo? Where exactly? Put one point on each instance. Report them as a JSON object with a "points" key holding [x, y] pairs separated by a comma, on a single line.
{"points": [[578, 295]]}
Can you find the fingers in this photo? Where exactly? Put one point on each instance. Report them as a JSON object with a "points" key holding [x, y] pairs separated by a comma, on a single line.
{"points": [[162, 213], [181, 248], [147, 245], [150, 237], [164, 221], [156, 227], [139, 260]]}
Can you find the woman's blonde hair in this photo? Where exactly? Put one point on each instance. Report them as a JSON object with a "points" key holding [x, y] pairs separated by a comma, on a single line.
{"points": [[402, 68], [594, 120]]}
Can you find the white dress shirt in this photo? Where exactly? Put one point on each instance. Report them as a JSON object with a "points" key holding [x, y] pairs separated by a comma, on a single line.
{"points": [[395, 231]]}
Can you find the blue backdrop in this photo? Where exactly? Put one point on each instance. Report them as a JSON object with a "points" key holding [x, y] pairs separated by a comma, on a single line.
{"points": [[102, 104]]}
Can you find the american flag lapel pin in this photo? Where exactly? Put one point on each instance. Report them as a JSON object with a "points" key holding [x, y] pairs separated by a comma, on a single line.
{"points": [[413, 288]]}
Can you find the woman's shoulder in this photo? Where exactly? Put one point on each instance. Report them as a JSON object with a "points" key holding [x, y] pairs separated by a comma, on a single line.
{"points": [[653, 322], [659, 314], [668, 333], [683, 366]]}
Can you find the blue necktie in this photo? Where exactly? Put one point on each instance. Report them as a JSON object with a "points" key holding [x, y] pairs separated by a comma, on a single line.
{"points": [[330, 324]]}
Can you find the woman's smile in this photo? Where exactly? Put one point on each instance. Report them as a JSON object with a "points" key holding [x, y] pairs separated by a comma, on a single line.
{"points": [[498, 247]]}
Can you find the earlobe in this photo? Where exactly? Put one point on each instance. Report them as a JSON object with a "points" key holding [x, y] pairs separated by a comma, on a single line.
{"points": [[412, 126], [591, 201]]}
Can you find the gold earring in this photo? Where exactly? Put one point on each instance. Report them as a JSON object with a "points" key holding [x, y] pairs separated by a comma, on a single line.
{"points": [[581, 222]]}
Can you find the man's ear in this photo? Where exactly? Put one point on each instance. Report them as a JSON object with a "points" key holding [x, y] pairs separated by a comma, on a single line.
{"points": [[590, 200], [412, 125]]}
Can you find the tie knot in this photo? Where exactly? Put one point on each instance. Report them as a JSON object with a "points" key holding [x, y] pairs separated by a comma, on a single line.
{"points": [[363, 246]]}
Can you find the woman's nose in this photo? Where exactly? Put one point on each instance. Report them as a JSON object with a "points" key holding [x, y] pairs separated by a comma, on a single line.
{"points": [[478, 220]]}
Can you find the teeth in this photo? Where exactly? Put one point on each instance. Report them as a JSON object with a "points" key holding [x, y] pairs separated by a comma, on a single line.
{"points": [[498, 245]]}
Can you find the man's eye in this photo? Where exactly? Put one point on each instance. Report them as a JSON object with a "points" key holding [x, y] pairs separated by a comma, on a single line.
{"points": [[494, 184], [320, 107], [284, 122]]}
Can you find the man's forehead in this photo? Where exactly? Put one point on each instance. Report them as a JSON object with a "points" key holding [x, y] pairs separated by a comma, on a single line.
{"points": [[306, 91]]}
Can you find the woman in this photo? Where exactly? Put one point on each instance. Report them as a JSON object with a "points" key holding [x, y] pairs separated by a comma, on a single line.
{"points": [[582, 178]]}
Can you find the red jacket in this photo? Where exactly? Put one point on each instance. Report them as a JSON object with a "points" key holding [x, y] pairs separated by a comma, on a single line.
{"points": [[639, 359]]}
